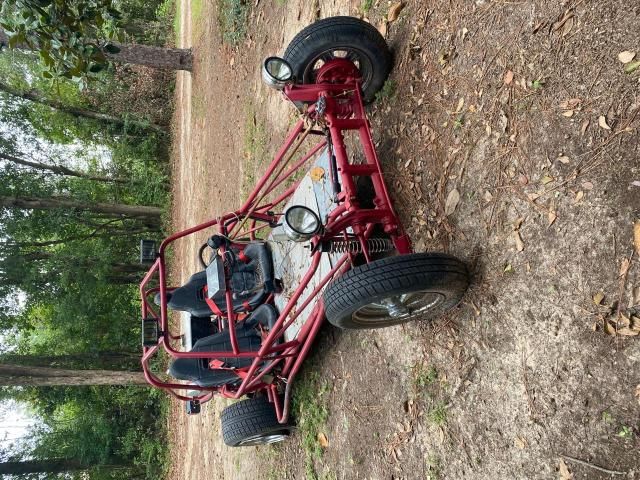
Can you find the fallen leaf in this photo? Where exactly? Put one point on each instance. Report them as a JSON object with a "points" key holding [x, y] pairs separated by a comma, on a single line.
{"points": [[636, 236], [460, 105], [568, 25], [637, 393], [323, 440], [563, 159], [523, 180], [394, 11], [452, 202], [508, 268], [487, 196], [624, 267], [547, 179], [519, 443], [579, 197], [563, 470], [508, 77], [598, 298], [383, 27], [602, 121], [551, 217], [518, 239], [631, 67], [570, 104], [465, 31], [609, 329], [628, 332], [587, 185], [635, 296], [626, 56], [568, 113], [584, 126]]}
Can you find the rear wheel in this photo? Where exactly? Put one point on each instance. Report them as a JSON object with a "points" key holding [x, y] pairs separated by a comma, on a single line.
{"points": [[396, 290], [341, 37], [252, 422]]}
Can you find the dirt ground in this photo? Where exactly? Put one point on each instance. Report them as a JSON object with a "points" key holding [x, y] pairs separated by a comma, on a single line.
{"points": [[510, 139]]}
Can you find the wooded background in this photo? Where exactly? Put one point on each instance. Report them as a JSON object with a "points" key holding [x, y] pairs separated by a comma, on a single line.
{"points": [[86, 104]]}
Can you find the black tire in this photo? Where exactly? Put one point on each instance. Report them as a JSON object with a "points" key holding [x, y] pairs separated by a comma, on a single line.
{"points": [[359, 40], [420, 285], [252, 422]]}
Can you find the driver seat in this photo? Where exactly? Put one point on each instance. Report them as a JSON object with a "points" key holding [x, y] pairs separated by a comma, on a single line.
{"points": [[252, 281]]}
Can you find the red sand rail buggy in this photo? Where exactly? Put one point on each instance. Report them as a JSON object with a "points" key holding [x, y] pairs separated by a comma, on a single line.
{"points": [[302, 248]]}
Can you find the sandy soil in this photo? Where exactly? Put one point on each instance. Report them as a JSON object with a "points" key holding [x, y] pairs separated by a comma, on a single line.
{"points": [[524, 109]]}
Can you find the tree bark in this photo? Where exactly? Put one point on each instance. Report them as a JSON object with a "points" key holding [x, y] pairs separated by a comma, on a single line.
{"points": [[154, 57], [61, 170], [53, 465], [118, 361], [50, 203], [38, 97], [37, 376], [60, 465]]}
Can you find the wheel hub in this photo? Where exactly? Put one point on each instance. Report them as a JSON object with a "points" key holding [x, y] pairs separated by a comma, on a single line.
{"points": [[403, 306]]}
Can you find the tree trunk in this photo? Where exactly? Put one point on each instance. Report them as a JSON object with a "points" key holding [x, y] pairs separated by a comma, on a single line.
{"points": [[50, 203], [120, 361], [38, 97], [61, 170], [53, 465], [154, 57], [36, 376], [60, 465]]}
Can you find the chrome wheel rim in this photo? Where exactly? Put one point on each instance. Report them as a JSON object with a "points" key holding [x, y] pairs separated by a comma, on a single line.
{"points": [[398, 308], [263, 439], [358, 58]]}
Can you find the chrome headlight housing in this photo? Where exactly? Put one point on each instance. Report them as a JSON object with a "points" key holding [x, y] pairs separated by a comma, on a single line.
{"points": [[276, 72], [301, 223]]}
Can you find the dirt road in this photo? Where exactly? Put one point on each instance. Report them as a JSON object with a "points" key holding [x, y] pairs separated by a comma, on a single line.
{"points": [[522, 110]]}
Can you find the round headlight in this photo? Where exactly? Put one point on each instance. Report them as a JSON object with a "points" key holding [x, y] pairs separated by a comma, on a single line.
{"points": [[301, 223], [276, 72]]}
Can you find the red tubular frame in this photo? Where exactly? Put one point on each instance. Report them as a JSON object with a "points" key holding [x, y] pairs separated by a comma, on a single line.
{"points": [[276, 364]]}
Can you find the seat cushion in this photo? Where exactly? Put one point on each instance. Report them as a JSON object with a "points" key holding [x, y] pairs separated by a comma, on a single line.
{"points": [[197, 370]]}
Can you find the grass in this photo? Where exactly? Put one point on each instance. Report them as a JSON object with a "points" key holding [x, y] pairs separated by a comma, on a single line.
{"points": [[255, 149], [366, 6], [232, 20], [423, 377], [387, 91], [434, 467], [311, 413], [437, 416]]}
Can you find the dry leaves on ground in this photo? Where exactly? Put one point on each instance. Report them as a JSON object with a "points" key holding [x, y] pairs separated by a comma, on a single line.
{"points": [[452, 202], [563, 471], [394, 11], [323, 440], [602, 121], [636, 236], [626, 56]]}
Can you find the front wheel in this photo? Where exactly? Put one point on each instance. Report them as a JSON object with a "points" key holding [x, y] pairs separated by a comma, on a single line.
{"points": [[252, 422], [396, 290], [341, 37]]}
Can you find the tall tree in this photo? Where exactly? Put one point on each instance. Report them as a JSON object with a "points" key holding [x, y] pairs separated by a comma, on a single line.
{"points": [[39, 97], [66, 202], [165, 58], [60, 169], [42, 376]]}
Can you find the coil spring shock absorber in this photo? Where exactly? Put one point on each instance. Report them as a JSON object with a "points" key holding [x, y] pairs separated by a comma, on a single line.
{"points": [[374, 245]]}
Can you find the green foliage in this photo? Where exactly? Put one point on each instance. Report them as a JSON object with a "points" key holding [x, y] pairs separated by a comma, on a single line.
{"points": [[366, 6], [232, 20], [387, 91], [68, 277], [438, 414], [70, 35]]}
